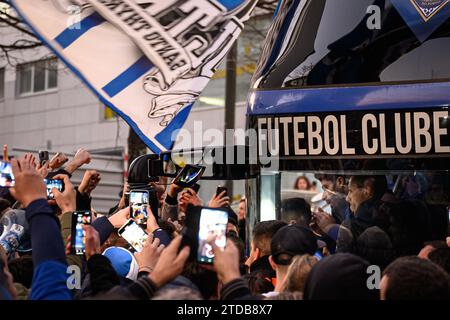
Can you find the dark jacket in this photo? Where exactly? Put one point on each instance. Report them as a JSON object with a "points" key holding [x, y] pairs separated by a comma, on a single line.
{"points": [[100, 277], [49, 259]]}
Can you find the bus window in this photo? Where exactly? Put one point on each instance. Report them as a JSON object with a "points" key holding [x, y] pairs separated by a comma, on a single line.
{"points": [[330, 42], [428, 191]]}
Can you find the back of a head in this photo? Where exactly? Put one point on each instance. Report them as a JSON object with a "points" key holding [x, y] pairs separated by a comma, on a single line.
{"points": [[341, 276], [22, 270], [378, 184], [375, 246], [204, 279], [290, 241], [258, 284], [4, 204], [441, 257], [298, 272], [413, 278], [263, 234], [296, 210], [410, 227]]}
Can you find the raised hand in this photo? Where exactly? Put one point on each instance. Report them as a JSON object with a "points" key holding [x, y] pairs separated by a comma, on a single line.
{"points": [[190, 196], [219, 201], [120, 217], [149, 255], [226, 261], [90, 181], [92, 244], [66, 200], [170, 263], [57, 161], [29, 183]]}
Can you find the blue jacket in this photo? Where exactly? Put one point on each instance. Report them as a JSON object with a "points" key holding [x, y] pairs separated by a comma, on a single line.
{"points": [[49, 258]]}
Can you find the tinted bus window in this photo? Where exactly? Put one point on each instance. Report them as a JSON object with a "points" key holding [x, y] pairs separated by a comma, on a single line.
{"points": [[340, 42]]}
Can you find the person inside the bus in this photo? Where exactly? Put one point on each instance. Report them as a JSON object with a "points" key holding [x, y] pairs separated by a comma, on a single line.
{"points": [[335, 190], [364, 198], [302, 183], [296, 210]]}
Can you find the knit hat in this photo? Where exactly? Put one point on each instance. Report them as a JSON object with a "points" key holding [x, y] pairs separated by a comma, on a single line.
{"points": [[341, 276]]}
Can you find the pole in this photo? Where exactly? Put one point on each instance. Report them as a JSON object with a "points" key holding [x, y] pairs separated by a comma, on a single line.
{"points": [[230, 98]]}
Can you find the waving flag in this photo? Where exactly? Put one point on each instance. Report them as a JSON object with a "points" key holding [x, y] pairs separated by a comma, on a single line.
{"points": [[148, 60], [423, 16]]}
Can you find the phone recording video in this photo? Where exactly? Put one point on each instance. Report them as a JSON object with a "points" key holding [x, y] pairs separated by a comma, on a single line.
{"points": [[221, 189], [53, 183], [189, 176], [213, 222], [6, 175], [133, 234], [78, 235], [139, 205]]}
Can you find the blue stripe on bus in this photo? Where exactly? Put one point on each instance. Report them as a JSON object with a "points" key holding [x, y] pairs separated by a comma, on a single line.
{"points": [[134, 72], [75, 31], [383, 97]]}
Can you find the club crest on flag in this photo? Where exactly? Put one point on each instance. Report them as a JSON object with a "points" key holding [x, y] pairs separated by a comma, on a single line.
{"points": [[428, 8], [423, 17], [148, 60]]}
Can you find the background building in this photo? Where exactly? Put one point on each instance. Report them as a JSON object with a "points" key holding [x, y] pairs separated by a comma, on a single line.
{"points": [[43, 105]]}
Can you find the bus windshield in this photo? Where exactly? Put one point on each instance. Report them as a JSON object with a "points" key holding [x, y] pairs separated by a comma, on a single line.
{"points": [[339, 42]]}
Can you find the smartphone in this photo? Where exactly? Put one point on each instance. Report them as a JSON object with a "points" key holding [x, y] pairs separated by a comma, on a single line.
{"points": [[188, 176], [196, 187], [43, 157], [139, 205], [212, 222], [6, 175], [221, 189], [53, 183], [133, 234], [78, 236]]}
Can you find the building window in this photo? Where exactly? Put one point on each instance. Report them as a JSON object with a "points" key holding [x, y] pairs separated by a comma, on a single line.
{"points": [[2, 83], [108, 114], [36, 77]]}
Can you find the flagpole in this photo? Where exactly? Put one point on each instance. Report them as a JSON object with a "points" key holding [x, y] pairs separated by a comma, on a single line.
{"points": [[230, 98]]}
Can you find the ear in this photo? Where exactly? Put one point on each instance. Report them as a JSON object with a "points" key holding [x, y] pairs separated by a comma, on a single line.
{"points": [[368, 191], [272, 263]]}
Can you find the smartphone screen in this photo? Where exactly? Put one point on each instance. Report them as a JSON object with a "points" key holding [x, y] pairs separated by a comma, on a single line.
{"points": [[53, 183], [134, 234], [189, 175], [212, 222], [139, 206], [6, 175], [78, 236]]}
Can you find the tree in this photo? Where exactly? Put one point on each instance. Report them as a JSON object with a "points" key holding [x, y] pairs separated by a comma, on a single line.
{"points": [[27, 41]]}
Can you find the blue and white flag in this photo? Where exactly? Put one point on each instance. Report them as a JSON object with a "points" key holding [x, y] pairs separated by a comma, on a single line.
{"points": [[148, 60]]}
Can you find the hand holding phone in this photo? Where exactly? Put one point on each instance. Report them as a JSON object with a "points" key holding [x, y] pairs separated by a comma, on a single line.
{"points": [[213, 223], [188, 176], [53, 183], [43, 157], [133, 234], [221, 189], [139, 205], [6, 175]]}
